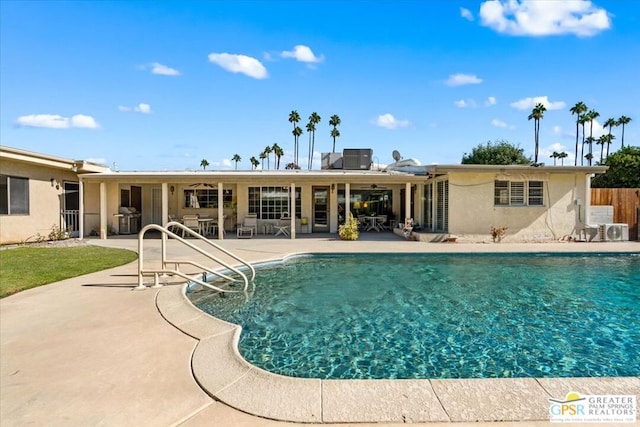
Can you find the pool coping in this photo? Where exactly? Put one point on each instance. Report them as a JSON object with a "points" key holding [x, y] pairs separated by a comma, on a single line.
{"points": [[225, 375]]}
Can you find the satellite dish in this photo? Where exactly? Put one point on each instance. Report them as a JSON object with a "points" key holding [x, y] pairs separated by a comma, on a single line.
{"points": [[396, 155]]}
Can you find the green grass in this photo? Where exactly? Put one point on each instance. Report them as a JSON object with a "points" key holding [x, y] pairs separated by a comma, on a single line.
{"points": [[26, 268]]}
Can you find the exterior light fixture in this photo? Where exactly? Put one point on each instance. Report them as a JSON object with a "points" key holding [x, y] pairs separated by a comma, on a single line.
{"points": [[172, 189]]}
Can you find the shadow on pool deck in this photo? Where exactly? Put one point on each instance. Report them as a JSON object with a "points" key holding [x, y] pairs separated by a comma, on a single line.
{"points": [[88, 351]]}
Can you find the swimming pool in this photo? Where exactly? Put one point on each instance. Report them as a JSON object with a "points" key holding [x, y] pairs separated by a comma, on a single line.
{"points": [[440, 316]]}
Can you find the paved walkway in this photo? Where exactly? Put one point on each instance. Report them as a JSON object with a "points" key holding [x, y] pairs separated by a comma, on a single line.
{"points": [[89, 351]]}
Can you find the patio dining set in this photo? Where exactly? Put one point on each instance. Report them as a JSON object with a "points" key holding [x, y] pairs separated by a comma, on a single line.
{"points": [[375, 223]]}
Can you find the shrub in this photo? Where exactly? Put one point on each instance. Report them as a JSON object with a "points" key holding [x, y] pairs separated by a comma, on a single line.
{"points": [[349, 230]]}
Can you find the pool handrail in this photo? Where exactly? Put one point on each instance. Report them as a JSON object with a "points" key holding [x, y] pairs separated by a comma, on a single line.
{"points": [[165, 232]]}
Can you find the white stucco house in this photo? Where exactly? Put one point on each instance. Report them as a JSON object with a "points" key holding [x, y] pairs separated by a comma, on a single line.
{"points": [[38, 192]]}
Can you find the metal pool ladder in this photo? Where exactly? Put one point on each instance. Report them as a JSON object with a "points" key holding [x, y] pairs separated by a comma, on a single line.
{"points": [[199, 278]]}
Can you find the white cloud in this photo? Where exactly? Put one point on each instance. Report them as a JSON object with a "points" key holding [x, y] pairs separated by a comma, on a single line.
{"points": [[55, 121], [490, 101], [498, 123], [239, 64], [469, 103], [142, 108], [466, 14], [83, 121], [390, 122], [226, 163], [543, 18], [529, 103], [462, 79], [557, 130], [157, 68], [302, 53]]}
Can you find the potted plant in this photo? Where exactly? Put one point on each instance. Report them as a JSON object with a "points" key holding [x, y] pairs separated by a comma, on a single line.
{"points": [[349, 230]]}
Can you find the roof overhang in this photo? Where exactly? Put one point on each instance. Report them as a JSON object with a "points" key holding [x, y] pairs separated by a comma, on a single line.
{"points": [[79, 166], [435, 170], [256, 176]]}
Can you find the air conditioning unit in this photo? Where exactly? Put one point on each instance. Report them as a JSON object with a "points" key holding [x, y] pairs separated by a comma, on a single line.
{"points": [[613, 232]]}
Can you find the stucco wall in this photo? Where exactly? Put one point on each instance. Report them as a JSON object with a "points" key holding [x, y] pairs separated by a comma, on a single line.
{"points": [[45, 201], [472, 211]]}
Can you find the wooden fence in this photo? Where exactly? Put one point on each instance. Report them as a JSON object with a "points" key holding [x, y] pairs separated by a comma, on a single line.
{"points": [[625, 202]]}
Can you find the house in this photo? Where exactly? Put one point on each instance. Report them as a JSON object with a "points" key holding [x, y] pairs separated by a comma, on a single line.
{"points": [[39, 192], [543, 203]]}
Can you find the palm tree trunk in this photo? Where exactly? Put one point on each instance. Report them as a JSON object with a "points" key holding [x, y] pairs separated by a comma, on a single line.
{"points": [[577, 131], [582, 154], [313, 146], [601, 151], [622, 136], [535, 137]]}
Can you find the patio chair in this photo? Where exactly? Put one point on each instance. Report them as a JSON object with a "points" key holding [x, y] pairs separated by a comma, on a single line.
{"points": [[190, 221], [282, 227], [248, 227], [382, 222]]}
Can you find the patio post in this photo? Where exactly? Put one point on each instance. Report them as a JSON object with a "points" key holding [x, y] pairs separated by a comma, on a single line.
{"points": [[103, 210], [292, 200], [81, 206], [407, 201], [220, 211]]}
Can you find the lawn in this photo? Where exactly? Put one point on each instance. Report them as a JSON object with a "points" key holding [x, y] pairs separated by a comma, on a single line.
{"points": [[25, 268]]}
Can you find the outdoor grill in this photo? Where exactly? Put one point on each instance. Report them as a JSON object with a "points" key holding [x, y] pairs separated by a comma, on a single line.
{"points": [[128, 220]]}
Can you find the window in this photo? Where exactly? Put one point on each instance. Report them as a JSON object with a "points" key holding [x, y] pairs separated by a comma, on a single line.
{"points": [[14, 195], [201, 199], [518, 193], [272, 202], [536, 193]]}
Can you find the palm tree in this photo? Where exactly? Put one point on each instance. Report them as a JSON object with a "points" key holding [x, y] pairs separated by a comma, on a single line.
{"points": [[589, 141], [311, 129], [589, 157], [335, 122], [315, 119], [578, 109], [600, 141], [236, 158], [562, 156], [254, 162], [583, 120], [623, 120], [554, 156], [610, 123], [591, 115], [297, 131], [278, 152], [263, 156], [607, 139], [537, 114], [294, 118], [204, 163], [267, 151]]}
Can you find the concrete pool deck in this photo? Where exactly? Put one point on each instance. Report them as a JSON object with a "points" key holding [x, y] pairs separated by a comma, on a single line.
{"points": [[87, 351]]}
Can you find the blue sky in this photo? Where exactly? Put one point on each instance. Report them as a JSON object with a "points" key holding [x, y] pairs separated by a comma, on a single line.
{"points": [[153, 85]]}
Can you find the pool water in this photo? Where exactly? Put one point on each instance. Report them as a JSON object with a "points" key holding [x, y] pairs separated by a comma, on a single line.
{"points": [[440, 316]]}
